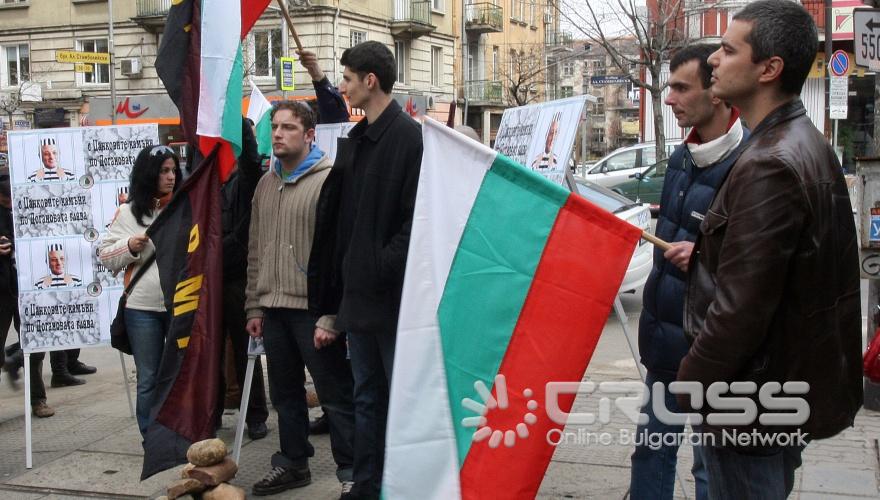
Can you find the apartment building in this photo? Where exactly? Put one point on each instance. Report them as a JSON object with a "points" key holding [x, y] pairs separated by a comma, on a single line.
{"points": [[504, 58], [580, 67], [420, 32], [707, 20]]}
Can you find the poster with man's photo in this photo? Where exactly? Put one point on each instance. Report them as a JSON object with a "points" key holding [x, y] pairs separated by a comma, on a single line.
{"points": [[541, 136], [67, 184]]}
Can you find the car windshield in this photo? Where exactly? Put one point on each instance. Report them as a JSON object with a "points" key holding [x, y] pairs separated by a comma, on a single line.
{"points": [[603, 197]]}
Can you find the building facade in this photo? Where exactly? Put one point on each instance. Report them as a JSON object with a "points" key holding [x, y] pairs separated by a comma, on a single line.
{"points": [[52, 93]]}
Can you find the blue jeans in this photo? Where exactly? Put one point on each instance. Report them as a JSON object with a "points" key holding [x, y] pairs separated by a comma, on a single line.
{"points": [[765, 473], [653, 470], [289, 335], [372, 357], [146, 332]]}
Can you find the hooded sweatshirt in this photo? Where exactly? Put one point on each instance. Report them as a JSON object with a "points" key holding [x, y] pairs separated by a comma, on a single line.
{"points": [[281, 231]]}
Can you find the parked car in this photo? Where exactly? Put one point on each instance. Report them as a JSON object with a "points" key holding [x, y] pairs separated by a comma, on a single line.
{"points": [[636, 214], [620, 164], [646, 187]]}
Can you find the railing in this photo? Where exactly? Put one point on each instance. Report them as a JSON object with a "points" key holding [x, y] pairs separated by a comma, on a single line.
{"points": [[416, 11], [149, 8], [557, 38], [484, 14], [484, 91]]}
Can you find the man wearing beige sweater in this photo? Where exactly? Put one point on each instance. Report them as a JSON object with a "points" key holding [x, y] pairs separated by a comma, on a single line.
{"points": [[281, 232]]}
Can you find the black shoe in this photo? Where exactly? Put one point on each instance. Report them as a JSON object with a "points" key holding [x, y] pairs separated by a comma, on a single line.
{"points": [[257, 430], [319, 425], [80, 368], [281, 478], [65, 380], [11, 366]]}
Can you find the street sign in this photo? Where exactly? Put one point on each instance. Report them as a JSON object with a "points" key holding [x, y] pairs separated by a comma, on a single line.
{"points": [[867, 37], [82, 68], [839, 63], [70, 56], [285, 73], [838, 93]]}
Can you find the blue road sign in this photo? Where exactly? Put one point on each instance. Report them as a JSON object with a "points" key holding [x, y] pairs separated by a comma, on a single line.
{"points": [[839, 64]]}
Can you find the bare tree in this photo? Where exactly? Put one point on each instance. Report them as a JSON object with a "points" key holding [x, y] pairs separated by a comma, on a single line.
{"points": [[658, 29], [10, 102], [523, 75]]}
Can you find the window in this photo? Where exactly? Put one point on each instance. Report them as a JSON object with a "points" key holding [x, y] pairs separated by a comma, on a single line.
{"points": [[356, 37], [437, 5], [495, 62], [263, 48], [566, 91], [513, 5], [436, 66], [568, 68], [16, 65], [401, 56], [13, 1], [100, 72], [622, 161], [532, 10]]}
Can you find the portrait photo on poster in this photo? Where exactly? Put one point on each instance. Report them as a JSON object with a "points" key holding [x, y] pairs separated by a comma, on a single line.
{"points": [[60, 263]]}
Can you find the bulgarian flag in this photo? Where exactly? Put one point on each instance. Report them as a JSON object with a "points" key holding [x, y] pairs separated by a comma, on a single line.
{"points": [[200, 63], [509, 282], [258, 111]]}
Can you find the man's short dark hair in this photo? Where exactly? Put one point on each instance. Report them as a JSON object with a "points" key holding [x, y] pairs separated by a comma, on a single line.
{"points": [[299, 109], [5, 186], [372, 57], [785, 29], [699, 52]]}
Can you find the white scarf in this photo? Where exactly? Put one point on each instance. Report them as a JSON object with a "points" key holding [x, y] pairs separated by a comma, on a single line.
{"points": [[710, 153]]}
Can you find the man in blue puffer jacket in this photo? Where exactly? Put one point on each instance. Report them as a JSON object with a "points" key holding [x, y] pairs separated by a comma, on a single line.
{"points": [[695, 170]]}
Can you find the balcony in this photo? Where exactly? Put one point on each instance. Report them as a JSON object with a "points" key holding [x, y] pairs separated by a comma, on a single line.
{"points": [[483, 18], [554, 39], [151, 14], [484, 92], [412, 19]]}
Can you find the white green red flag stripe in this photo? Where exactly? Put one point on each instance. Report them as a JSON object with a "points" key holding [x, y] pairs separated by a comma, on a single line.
{"points": [[509, 282], [200, 63], [259, 112]]}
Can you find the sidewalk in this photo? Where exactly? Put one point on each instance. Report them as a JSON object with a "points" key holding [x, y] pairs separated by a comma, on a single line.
{"points": [[91, 447]]}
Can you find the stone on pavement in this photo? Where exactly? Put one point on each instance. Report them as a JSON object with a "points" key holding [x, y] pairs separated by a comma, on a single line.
{"points": [[207, 452], [213, 475]]}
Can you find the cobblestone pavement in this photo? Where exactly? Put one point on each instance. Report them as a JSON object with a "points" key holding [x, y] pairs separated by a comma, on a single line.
{"points": [[91, 447]]}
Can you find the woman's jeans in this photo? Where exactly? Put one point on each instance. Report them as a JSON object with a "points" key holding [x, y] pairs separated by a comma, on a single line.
{"points": [[146, 332]]}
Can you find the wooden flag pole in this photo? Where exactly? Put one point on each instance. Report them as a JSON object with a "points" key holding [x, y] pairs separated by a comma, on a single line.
{"points": [[290, 25], [650, 238]]}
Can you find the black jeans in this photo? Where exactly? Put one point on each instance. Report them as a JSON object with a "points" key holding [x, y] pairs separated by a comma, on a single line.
{"points": [[234, 322], [288, 335], [9, 315], [372, 358]]}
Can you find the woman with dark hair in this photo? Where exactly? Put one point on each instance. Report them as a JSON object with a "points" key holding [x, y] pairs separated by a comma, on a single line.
{"points": [[126, 246]]}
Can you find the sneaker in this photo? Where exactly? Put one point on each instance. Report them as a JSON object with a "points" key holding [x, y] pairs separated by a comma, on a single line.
{"points": [[257, 430], [42, 410], [346, 490], [65, 380], [80, 368], [281, 478]]}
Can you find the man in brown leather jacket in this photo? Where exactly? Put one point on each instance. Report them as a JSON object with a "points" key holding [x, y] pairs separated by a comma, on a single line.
{"points": [[773, 293]]}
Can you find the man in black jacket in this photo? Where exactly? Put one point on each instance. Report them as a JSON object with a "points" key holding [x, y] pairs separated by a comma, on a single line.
{"points": [[361, 241]]}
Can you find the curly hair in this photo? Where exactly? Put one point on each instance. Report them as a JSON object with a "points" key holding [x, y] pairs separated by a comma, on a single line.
{"points": [[145, 177]]}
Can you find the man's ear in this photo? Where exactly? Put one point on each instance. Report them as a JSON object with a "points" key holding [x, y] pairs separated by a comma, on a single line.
{"points": [[310, 135], [372, 81], [772, 69]]}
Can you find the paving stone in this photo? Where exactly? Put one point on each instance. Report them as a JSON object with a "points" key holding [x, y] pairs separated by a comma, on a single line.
{"points": [[837, 479]]}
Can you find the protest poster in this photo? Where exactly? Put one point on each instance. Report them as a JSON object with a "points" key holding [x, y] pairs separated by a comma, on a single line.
{"points": [[541, 136], [67, 184]]}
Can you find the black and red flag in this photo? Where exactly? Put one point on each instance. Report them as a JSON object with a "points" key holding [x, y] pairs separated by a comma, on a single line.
{"points": [[188, 240]]}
